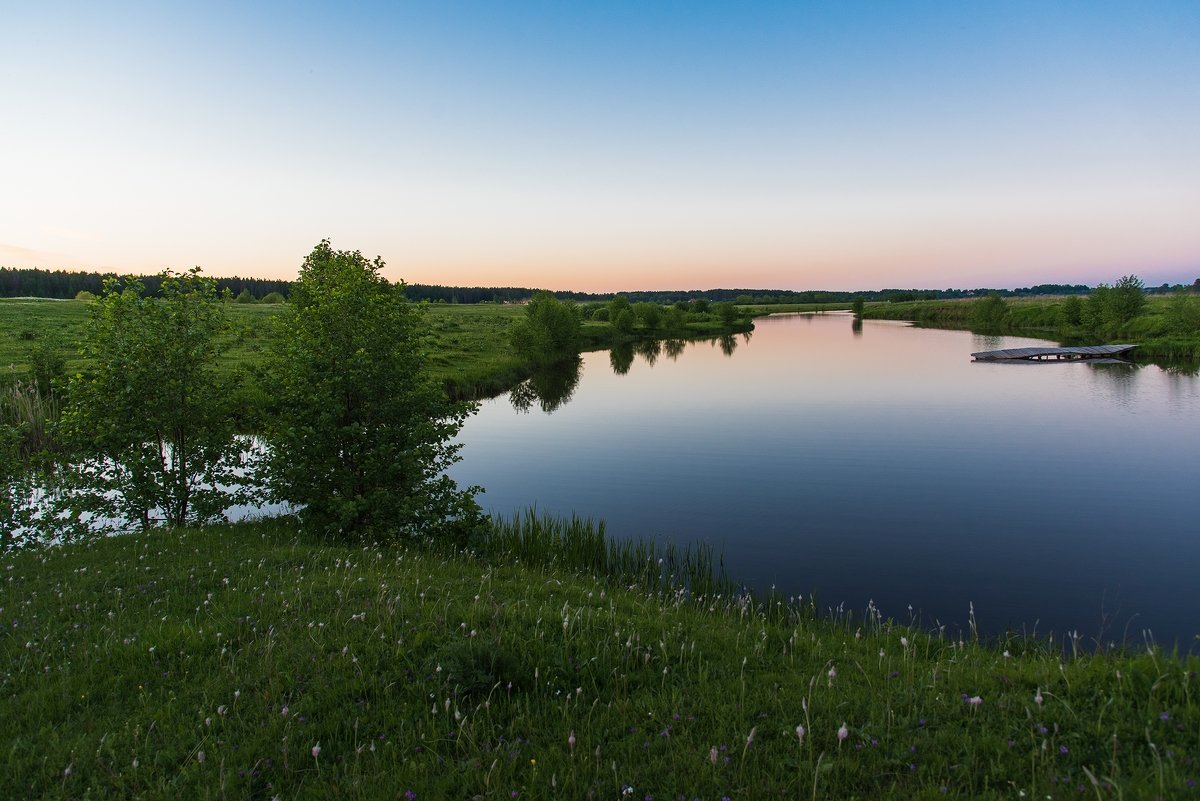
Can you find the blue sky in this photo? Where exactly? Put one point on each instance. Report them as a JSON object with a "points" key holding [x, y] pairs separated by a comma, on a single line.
{"points": [[611, 145]]}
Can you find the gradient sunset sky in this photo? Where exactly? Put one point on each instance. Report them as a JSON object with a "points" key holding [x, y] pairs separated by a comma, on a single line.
{"points": [[606, 146]]}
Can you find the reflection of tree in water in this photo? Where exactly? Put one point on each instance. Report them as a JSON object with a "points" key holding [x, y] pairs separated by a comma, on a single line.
{"points": [[856, 326], [746, 336], [728, 344], [550, 386], [648, 350], [621, 358], [673, 347]]}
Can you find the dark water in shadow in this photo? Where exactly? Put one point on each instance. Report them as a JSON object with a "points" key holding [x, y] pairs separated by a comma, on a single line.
{"points": [[880, 463]]}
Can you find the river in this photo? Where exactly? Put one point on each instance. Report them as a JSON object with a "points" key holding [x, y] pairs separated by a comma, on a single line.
{"points": [[878, 463]]}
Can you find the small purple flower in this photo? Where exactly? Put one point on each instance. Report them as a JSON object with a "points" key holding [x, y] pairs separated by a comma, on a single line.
{"points": [[1062, 749], [409, 795], [1164, 716]]}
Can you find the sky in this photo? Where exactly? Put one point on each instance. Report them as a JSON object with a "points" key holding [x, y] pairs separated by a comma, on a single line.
{"points": [[608, 146]]}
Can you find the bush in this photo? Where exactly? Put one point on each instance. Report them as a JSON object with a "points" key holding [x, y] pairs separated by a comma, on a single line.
{"points": [[549, 331], [363, 434], [273, 297], [989, 312], [150, 418]]}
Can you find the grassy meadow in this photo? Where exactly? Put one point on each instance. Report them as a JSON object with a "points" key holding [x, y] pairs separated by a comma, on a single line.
{"points": [[1157, 337], [252, 662], [468, 347]]}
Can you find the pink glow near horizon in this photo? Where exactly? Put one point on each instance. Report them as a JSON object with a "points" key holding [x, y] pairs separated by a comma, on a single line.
{"points": [[607, 149]]}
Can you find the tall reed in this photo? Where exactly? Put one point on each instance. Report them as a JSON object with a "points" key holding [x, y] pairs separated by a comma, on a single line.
{"points": [[31, 413], [580, 545]]}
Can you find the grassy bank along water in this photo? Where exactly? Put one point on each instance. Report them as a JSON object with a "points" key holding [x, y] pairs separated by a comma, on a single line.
{"points": [[253, 662], [1158, 338], [468, 349]]}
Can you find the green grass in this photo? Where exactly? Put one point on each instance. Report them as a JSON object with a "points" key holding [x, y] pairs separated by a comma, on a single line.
{"points": [[213, 663], [1043, 317], [761, 309], [468, 348]]}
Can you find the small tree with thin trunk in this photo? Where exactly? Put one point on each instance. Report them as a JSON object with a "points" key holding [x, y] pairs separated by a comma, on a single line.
{"points": [[148, 420]]}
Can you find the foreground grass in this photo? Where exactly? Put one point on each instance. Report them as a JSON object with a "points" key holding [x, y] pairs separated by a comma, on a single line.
{"points": [[251, 662]]}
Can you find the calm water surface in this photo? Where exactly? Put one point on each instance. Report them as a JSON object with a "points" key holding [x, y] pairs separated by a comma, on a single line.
{"points": [[880, 464]]}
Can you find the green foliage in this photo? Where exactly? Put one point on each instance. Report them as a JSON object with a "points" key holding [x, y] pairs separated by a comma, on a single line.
{"points": [[649, 313], [989, 312], [1072, 310], [149, 418], [1183, 313], [623, 323], [11, 469], [83, 294], [618, 304], [244, 297], [362, 434], [599, 314], [1108, 308], [727, 313], [549, 331], [699, 305], [47, 364], [857, 307], [1095, 314], [1126, 301], [673, 319], [272, 297]]}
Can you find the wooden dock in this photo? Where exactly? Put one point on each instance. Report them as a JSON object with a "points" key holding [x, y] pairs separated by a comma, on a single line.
{"points": [[1085, 353]]}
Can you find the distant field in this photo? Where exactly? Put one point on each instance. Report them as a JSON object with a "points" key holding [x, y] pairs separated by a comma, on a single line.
{"points": [[468, 346]]}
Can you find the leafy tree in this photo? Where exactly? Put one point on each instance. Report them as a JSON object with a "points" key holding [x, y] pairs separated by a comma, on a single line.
{"points": [[1072, 310], [700, 305], [244, 297], [727, 312], [990, 311], [149, 419], [618, 304], [363, 434], [1126, 301], [549, 331], [673, 319], [272, 297], [624, 321], [1095, 309], [857, 307], [649, 313]]}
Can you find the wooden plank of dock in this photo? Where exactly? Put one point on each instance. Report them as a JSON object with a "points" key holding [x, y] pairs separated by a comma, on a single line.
{"points": [[1085, 352]]}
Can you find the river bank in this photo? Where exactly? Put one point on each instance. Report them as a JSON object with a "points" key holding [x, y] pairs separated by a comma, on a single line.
{"points": [[252, 660]]}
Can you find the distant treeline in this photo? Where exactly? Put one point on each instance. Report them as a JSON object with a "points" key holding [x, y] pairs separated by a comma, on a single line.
{"points": [[39, 283]]}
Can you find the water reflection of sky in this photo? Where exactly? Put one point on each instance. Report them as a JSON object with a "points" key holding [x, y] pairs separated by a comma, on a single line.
{"points": [[884, 465]]}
